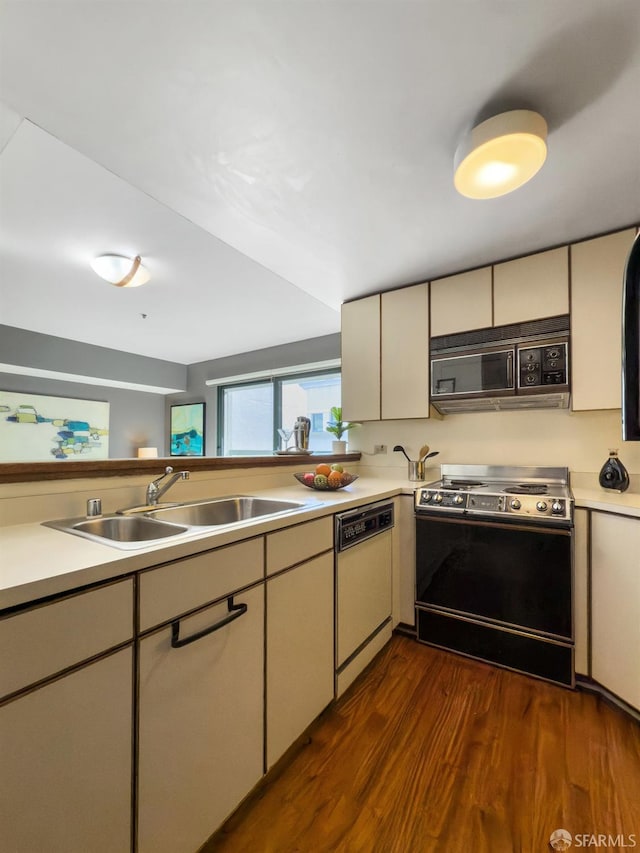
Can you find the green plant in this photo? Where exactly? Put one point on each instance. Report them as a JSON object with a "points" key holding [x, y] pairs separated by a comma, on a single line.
{"points": [[336, 426]]}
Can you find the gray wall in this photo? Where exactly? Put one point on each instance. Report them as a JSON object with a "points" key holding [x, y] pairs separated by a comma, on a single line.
{"points": [[32, 349]]}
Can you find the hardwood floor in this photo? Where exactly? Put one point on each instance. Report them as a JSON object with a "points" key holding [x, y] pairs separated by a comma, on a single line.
{"points": [[429, 751]]}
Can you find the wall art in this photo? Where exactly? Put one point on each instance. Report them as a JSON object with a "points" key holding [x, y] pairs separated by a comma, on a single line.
{"points": [[37, 428], [187, 430]]}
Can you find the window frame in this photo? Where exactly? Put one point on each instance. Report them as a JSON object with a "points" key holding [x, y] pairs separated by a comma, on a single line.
{"points": [[277, 381]]}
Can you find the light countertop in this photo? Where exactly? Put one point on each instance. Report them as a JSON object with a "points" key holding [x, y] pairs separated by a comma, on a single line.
{"points": [[37, 562]]}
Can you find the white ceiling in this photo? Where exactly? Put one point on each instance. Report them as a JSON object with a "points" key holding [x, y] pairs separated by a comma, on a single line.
{"points": [[270, 160]]}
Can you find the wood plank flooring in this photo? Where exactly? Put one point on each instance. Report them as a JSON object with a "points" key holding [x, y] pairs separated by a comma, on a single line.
{"points": [[429, 752]]}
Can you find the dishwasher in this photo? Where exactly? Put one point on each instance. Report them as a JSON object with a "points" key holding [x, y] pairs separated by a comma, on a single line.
{"points": [[363, 588]]}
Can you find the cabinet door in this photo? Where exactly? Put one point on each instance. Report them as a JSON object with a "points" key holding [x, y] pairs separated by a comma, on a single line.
{"points": [[531, 288], [462, 302], [360, 342], [404, 562], [201, 726], [597, 269], [615, 605], [299, 651], [404, 353], [581, 591], [66, 748]]}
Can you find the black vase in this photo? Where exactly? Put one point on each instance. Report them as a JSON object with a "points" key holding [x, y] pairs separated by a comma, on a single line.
{"points": [[613, 474]]}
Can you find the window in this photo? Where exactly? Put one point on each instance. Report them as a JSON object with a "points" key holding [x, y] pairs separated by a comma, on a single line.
{"points": [[250, 414]]}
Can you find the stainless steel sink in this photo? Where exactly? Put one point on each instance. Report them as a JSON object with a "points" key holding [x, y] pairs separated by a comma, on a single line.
{"points": [[225, 510], [145, 525], [122, 531]]}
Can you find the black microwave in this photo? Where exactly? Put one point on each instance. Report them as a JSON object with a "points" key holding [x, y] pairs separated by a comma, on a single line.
{"points": [[503, 372]]}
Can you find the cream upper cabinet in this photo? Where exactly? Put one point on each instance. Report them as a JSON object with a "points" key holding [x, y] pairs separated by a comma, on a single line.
{"points": [[615, 605], [360, 342], [404, 364], [462, 302], [597, 269], [385, 355], [531, 288]]}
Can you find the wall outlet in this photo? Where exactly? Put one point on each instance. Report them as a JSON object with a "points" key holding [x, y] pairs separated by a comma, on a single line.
{"points": [[379, 448]]}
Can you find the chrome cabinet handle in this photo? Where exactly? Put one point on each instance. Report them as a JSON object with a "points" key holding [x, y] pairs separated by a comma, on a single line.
{"points": [[235, 611]]}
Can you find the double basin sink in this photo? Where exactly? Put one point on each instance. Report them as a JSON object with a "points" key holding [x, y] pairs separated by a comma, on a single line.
{"points": [[147, 525]]}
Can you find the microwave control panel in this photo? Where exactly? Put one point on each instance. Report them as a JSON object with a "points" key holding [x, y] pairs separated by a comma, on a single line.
{"points": [[545, 364]]}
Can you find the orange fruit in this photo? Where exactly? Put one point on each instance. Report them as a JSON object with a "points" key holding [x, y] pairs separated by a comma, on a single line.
{"points": [[323, 468], [335, 479]]}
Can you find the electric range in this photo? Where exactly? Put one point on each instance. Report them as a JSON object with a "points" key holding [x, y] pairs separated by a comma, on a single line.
{"points": [[506, 492]]}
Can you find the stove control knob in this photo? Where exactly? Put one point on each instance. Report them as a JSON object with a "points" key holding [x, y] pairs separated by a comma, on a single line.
{"points": [[426, 497], [541, 506], [557, 507], [458, 499], [437, 498], [515, 504]]}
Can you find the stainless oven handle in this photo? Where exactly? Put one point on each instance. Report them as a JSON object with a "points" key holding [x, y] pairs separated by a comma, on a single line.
{"points": [[476, 522]]}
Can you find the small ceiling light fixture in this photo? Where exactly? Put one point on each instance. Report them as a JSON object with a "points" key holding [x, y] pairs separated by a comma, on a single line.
{"points": [[121, 271], [501, 154]]}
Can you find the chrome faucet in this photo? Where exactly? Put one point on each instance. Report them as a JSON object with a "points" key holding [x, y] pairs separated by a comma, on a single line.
{"points": [[155, 490]]}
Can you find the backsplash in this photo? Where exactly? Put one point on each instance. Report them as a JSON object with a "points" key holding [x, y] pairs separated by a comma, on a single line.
{"points": [[22, 503], [577, 440]]}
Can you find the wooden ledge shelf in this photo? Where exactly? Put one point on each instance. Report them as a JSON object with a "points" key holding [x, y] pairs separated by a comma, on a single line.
{"points": [[25, 472]]}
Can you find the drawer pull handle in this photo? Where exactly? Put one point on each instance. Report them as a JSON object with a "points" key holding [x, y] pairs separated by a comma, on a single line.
{"points": [[235, 611]]}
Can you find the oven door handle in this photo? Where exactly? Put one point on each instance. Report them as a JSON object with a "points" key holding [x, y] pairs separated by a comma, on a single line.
{"points": [[534, 527]]}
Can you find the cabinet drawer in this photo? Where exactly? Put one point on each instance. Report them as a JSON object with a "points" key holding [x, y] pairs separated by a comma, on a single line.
{"points": [[288, 547], [178, 587], [41, 642]]}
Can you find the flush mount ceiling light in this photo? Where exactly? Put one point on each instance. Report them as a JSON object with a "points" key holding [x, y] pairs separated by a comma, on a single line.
{"points": [[121, 271], [501, 154]]}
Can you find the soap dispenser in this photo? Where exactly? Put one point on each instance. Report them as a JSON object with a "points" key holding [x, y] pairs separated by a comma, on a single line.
{"points": [[613, 474]]}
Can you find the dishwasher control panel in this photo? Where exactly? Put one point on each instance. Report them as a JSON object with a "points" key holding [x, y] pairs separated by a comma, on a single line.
{"points": [[362, 523]]}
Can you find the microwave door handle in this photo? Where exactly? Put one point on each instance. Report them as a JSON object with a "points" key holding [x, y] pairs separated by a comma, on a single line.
{"points": [[510, 382]]}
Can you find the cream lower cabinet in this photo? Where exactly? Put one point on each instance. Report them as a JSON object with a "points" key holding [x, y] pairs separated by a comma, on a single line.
{"points": [[66, 762], [200, 742], [299, 640], [66, 724], [404, 562], [581, 591], [615, 604]]}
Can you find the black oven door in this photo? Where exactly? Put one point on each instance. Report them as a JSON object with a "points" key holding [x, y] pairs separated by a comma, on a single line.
{"points": [[509, 574]]}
